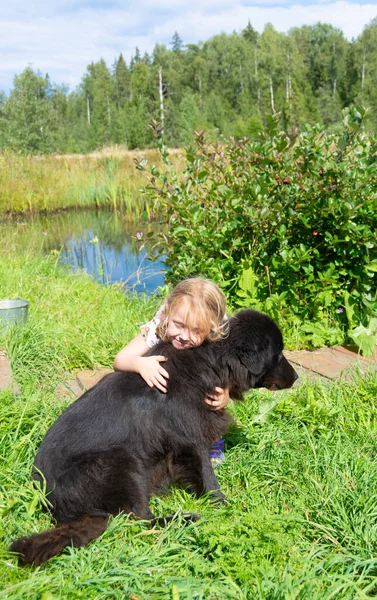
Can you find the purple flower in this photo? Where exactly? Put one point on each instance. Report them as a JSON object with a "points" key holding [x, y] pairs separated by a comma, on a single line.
{"points": [[340, 309]]}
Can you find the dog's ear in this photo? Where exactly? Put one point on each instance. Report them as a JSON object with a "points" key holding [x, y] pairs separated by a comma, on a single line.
{"points": [[245, 366], [240, 379], [254, 359]]}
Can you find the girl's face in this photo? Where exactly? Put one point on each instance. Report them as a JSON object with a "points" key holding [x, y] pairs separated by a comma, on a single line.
{"points": [[178, 333]]}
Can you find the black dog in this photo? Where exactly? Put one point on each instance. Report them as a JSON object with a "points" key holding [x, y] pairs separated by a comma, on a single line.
{"points": [[122, 441]]}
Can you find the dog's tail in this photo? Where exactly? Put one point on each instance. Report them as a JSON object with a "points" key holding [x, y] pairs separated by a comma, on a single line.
{"points": [[40, 547]]}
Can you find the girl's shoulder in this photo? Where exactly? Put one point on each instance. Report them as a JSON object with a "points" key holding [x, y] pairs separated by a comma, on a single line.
{"points": [[149, 330]]}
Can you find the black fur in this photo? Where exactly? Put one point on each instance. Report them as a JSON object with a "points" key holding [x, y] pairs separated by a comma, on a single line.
{"points": [[122, 441]]}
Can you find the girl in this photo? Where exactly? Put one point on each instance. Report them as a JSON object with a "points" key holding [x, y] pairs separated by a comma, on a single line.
{"points": [[193, 312]]}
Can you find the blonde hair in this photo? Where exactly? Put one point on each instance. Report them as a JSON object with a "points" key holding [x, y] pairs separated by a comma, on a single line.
{"points": [[206, 308]]}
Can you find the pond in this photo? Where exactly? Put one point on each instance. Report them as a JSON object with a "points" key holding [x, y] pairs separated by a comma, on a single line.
{"points": [[105, 244]]}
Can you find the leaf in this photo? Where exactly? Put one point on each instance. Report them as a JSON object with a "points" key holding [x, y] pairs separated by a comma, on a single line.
{"points": [[365, 337], [225, 190], [342, 144], [247, 281], [33, 505], [372, 266], [180, 229], [365, 342], [265, 411], [350, 309]]}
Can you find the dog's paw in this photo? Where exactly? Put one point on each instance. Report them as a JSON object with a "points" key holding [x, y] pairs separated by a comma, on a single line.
{"points": [[217, 497], [190, 517], [163, 521]]}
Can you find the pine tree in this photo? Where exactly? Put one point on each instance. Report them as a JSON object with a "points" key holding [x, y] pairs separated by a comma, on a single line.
{"points": [[176, 43], [137, 57], [250, 34], [123, 82]]}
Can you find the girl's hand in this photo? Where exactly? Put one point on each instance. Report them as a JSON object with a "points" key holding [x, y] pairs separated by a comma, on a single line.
{"points": [[153, 372], [218, 398]]}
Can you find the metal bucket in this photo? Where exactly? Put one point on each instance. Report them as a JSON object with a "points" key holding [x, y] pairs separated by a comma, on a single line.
{"points": [[13, 311]]}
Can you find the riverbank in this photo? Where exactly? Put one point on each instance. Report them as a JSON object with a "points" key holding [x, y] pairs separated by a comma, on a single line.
{"points": [[35, 184]]}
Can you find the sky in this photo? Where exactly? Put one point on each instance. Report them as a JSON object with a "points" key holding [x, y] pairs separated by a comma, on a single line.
{"points": [[61, 37]]}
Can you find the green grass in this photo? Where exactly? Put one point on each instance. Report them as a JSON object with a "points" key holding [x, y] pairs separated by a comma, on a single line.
{"points": [[300, 472]]}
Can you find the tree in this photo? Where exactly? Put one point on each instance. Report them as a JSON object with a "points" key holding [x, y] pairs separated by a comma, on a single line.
{"points": [[189, 118], [297, 106], [137, 57], [272, 58], [2, 120], [196, 72], [28, 114], [100, 93], [136, 119], [169, 81], [122, 81], [176, 43], [364, 84], [250, 34]]}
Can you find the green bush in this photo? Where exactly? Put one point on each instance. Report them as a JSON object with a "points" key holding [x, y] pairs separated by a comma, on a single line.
{"points": [[284, 224]]}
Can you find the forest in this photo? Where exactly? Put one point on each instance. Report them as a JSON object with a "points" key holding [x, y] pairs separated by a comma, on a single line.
{"points": [[227, 86]]}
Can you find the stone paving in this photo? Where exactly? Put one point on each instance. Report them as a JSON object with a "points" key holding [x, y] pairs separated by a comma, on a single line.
{"points": [[336, 362], [6, 378], [324, 364], [73, 387]]}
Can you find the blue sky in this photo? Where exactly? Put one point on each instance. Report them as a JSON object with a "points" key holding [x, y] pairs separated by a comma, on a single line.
{"points": [[61, 37]]}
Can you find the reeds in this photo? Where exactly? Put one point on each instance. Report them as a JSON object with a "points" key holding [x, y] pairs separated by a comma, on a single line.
{"points": [[33, 184]]}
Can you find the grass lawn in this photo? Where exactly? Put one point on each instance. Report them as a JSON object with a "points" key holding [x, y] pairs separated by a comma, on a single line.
{"points": [[300, 472]]}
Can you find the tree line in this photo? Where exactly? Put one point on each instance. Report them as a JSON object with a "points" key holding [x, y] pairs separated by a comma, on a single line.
{"points": [[228, 86]]}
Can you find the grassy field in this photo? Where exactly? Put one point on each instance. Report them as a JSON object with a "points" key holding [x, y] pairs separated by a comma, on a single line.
{"points": [[300, 471], [32, 184]]}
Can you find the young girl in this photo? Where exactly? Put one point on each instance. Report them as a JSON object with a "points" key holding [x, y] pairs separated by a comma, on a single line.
{"points": [[193, 312]]}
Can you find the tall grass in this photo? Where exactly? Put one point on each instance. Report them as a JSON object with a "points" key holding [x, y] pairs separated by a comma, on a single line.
{"points": [[300, 472], [30, 184]]}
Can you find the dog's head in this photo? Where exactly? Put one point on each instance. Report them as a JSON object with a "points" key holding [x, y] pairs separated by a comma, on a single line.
{"points": [[254, 351]]}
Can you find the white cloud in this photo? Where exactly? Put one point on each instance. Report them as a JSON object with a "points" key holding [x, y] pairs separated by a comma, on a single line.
{"points": [[62, 38]]}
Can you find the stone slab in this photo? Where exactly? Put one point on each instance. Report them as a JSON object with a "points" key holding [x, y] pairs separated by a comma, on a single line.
{"points": [[352, 350], [68, 390], [333, 363], [306, 374], [88, 378], [6, 377]]}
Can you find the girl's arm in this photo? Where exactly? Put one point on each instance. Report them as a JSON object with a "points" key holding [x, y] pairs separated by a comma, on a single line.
{"points": [[131, 358]]}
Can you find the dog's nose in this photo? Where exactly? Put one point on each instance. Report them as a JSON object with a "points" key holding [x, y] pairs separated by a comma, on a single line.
{"points": [[295, 376]]}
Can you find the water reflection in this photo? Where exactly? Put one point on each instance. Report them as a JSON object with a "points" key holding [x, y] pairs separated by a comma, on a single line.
{"points": [[103, 243], [109, 263]]}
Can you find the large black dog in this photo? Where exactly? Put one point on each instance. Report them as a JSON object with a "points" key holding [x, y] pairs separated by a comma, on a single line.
{"points": [[122, 441]]}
